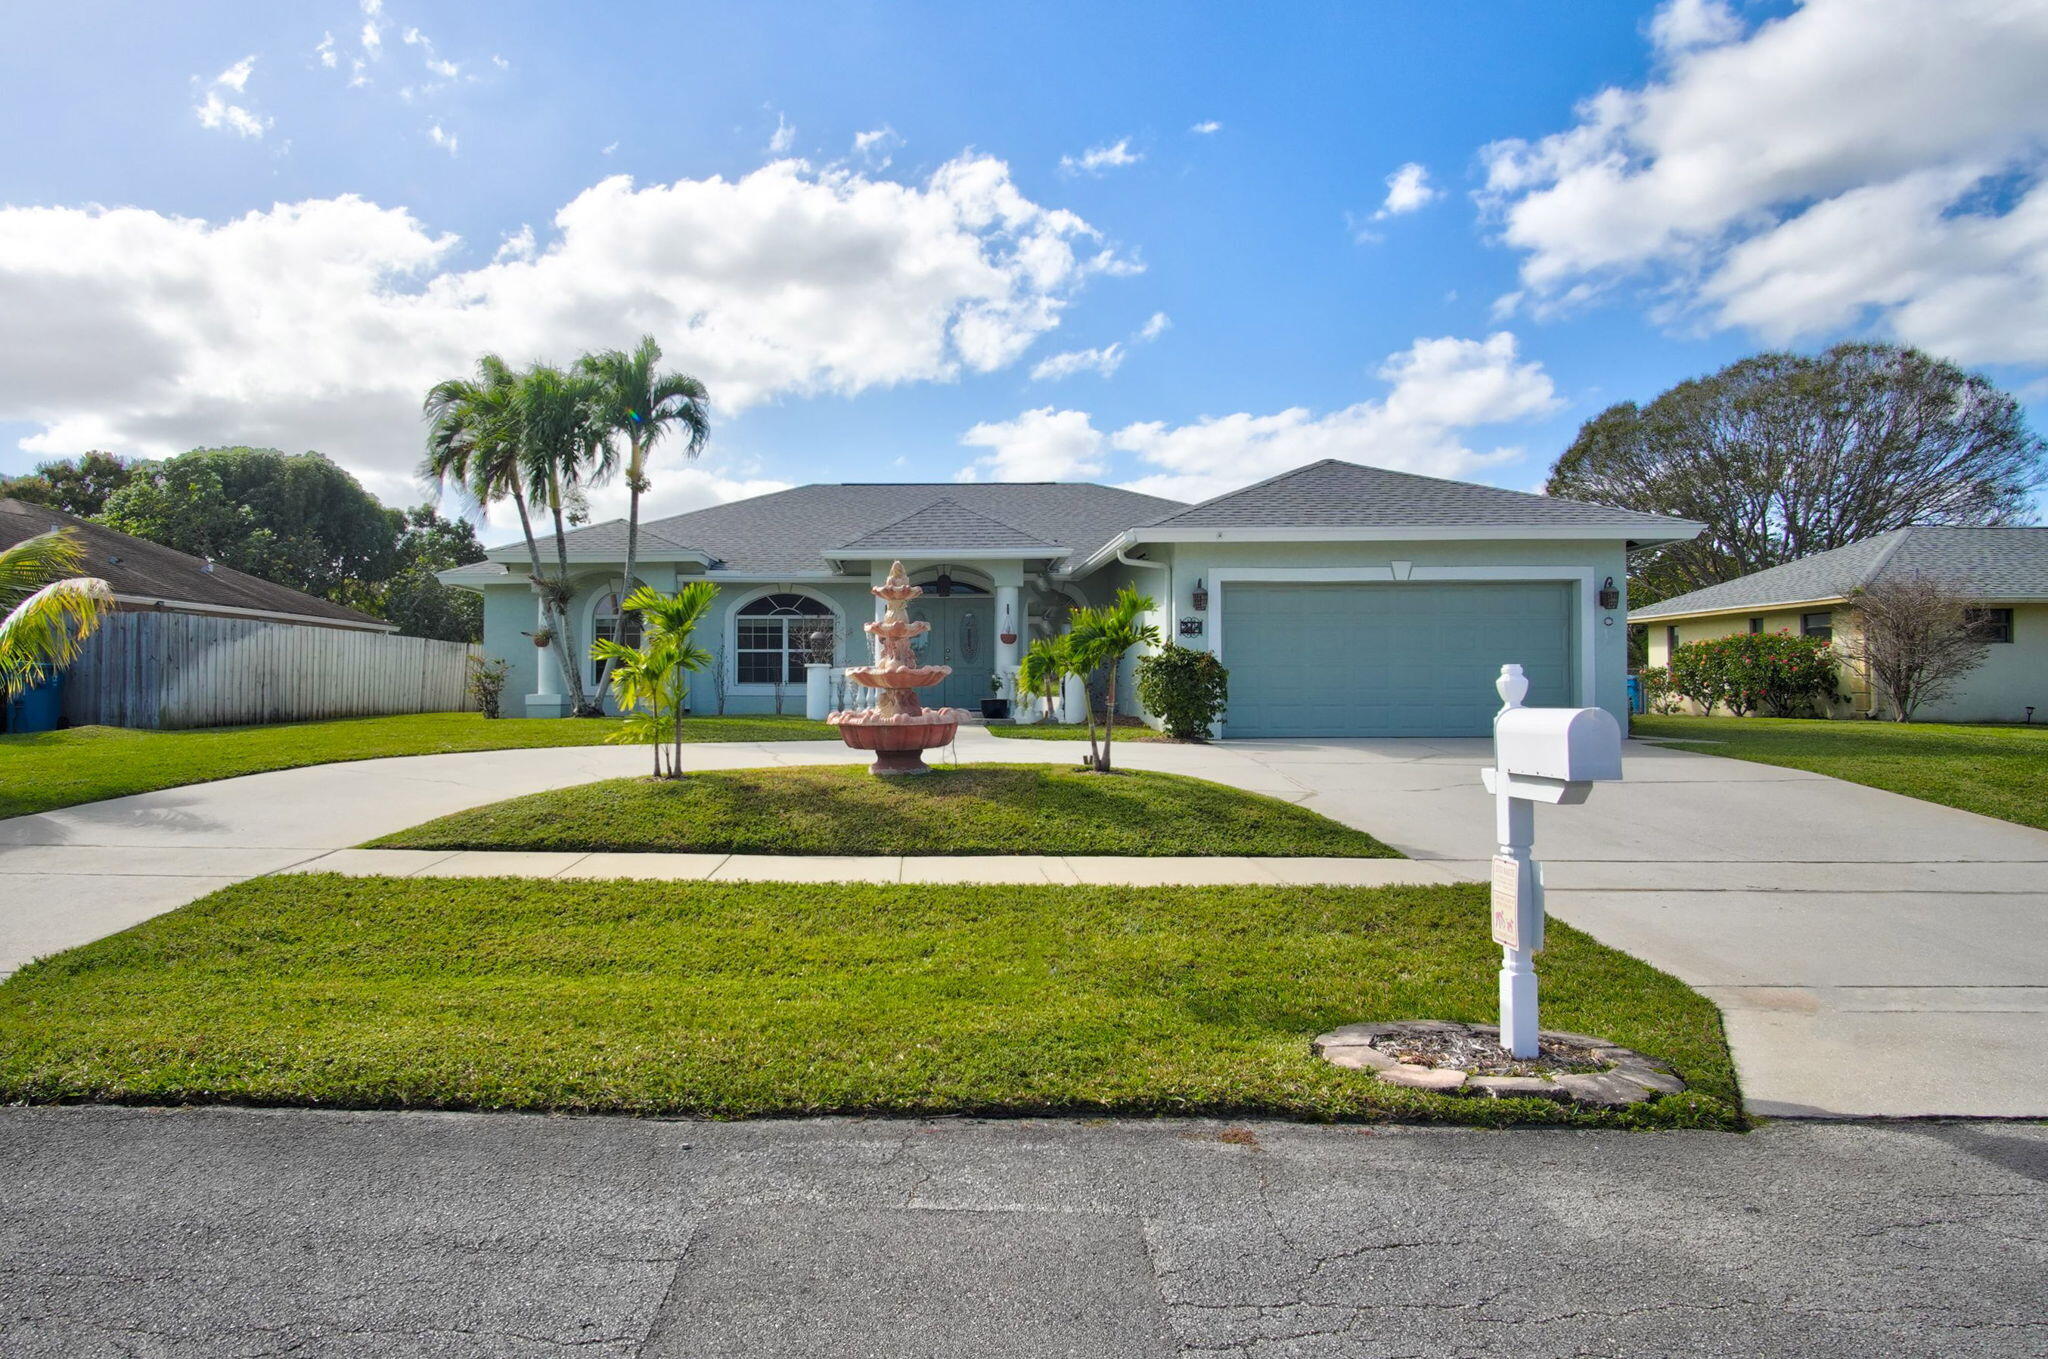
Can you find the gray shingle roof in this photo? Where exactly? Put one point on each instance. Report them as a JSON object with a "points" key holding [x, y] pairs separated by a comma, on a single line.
{"points": [[792, 530], [947, 524], [1988, 563], [1337, 494], [141, 569], [610, 536]]}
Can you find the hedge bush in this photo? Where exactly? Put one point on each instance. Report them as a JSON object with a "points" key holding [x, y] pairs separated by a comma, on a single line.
{"points": [[1185, 688], [1772, 672]]}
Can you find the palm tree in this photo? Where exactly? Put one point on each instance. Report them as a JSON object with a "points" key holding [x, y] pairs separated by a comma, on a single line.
{"points": [[562, 445], [641, 404], [50, 610], [653, 678], [473, 442], [1100, 638], [1042, 669]]}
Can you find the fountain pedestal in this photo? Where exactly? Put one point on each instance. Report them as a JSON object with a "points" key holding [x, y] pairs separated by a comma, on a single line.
{"points": [[899, 729]]}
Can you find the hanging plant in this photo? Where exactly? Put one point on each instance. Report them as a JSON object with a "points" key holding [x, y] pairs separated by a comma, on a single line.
{"points": [[542, 638]]}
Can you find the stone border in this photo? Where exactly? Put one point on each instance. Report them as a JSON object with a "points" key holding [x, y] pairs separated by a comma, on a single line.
{"points": [[1631, 1079]]}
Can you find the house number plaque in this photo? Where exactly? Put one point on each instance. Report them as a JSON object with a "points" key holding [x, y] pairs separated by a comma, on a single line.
{"points": [[1191, 627]]}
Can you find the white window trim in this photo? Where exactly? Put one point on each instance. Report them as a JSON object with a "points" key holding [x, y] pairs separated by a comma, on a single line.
{"points": [[732, 635], [1586, 611]]}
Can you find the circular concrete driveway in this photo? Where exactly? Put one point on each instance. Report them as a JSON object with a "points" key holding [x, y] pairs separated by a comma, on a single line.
{"points": [[1873, 954]]}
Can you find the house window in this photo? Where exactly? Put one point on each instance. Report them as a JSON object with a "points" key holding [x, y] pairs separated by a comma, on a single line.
{"points": [[1756, 625], [774, 635], [1670, 644], [604, 623], [1993, 625], [1817, 624]]}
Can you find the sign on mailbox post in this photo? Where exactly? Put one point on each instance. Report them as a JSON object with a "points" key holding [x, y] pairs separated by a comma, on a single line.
{"points": [[1539, 755]]}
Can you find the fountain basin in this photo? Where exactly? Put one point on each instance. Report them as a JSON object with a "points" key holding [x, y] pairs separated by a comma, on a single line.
{"points": [[899, 742], [898, 677]]}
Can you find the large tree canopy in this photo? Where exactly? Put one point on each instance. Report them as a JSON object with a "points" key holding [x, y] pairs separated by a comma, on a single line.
{"points": [[79, 486], [1785, 455]]}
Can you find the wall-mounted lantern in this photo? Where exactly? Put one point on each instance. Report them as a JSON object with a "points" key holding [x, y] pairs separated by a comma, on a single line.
{"points": [[943, 584], [1200, 597], [1610, 598]]}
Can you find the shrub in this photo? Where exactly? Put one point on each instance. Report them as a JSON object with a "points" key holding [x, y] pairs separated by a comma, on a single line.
{"points": [[1773, 672], [1658, 695], [486, 683], [1187, 689]]}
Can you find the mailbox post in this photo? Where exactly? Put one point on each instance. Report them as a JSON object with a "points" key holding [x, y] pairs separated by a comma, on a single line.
{"points": [[1539, 755]]}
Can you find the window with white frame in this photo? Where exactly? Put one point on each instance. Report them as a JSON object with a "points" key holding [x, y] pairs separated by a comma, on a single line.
{"points": [[604, 623], [774, 636]]}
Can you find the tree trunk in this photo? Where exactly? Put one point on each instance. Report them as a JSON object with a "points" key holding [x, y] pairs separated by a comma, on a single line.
{"points": [[579, 702], [633, 483], [560, 644], [1109, 723]]}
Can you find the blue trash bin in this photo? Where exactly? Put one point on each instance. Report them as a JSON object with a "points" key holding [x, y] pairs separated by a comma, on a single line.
{"points": [[1635, 695], [37, 709]]}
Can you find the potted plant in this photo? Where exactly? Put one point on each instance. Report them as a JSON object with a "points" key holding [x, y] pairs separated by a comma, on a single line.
{"points": [[543, 637], [995, 707]]}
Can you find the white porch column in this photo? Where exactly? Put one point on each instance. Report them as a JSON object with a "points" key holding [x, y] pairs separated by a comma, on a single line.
{"points": [[1009, 622], [547, 700]]}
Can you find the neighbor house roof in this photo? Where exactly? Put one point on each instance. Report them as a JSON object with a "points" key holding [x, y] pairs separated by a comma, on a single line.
{"points": [[142, 573], [794, 531], [1984, 563], [1337, 494]]}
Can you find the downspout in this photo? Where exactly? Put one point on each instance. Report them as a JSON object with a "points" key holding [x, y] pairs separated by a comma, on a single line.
{"points": [[1171, 606]]}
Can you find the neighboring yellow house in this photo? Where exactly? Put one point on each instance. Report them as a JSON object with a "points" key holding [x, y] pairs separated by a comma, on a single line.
{"points": [[2006, 569]]}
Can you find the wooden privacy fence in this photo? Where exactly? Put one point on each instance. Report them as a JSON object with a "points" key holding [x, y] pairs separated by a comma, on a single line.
{"points": [[175, 670]]}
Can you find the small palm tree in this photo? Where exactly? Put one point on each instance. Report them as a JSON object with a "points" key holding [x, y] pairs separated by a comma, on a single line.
{"points": [[50, 610], [638, 402], [654, 677], [1043, 668], [1101, 637]]}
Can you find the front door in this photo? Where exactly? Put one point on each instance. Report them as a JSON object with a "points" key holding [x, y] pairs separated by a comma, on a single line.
{"points": [[961, 637]]}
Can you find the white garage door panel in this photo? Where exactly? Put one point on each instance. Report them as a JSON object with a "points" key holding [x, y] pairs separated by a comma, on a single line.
{"points": [[1405, 659]]}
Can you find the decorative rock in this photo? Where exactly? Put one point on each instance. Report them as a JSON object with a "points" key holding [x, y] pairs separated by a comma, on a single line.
{"points": [[1630, 1078]]}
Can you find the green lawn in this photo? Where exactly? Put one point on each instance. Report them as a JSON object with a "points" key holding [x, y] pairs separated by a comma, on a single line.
{"points": [[844, 809], [1996, 771], [780, 998], [84, 764], [1127, 729]]}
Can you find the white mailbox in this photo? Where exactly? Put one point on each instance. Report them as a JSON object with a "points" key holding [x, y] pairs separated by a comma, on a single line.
{"points": [[1540, 755]]}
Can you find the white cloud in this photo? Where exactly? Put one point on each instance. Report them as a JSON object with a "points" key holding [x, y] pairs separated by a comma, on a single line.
{"points": [[217, 111], [782, 138], [1853, 164], [445, 140], [319, 324], [877, 147], [1408, 189], [608, 149], [1155, 326], [1685, 25], [1208, 128], [325, 51], [1439, 390], [1039, 445], [372, 39], [517, 245], [1096, 159], [1104, 361]]}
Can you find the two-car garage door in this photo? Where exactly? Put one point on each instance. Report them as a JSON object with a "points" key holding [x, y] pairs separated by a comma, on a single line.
{"points": [[1409, 659]]}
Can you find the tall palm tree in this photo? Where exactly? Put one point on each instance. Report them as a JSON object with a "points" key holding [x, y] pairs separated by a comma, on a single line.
{"points": [[50, 609], [641, 404], [562, 446], [473, 442]]}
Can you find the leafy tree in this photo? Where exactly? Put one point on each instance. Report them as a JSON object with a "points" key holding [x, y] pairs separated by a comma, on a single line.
{"points": [[1784, 455], [50, 611], [653, 678], [1099, 638], [414, 598], [295, 519], [79, 486], [639, 403], [1916, 636], [1186, 687]]}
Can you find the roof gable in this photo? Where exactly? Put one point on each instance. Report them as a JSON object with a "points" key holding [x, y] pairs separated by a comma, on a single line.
{"points": [[950, 526]]}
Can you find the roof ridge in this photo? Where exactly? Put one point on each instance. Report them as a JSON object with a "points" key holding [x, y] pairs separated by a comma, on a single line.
{"points": [[1898, 538], [1257, 485]]}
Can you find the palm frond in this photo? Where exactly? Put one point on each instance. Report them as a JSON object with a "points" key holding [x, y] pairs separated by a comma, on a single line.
{"points": [[44, 631], [33, 562]]}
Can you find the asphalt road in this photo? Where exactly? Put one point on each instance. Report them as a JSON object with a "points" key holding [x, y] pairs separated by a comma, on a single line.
{"points": [[229, 1233]]}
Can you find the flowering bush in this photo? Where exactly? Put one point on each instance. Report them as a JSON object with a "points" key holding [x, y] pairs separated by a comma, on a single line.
{"points": [[1773, 672], [1658, 695]]}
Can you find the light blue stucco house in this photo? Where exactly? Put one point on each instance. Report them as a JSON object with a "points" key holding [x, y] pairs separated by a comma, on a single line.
{"points": [[1345, 600]]}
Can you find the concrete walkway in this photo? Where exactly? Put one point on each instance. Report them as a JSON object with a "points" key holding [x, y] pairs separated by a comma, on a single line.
{"points": [[236, 1232], [1873, 954]]}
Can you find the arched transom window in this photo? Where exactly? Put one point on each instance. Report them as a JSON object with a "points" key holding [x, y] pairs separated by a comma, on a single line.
{"points": [[776, 634]]}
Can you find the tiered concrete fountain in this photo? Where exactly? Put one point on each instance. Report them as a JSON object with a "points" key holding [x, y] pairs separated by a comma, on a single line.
{"points": [[898, 728]]}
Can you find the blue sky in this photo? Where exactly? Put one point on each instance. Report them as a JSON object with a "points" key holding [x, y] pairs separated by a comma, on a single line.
{"points": [[1234, 286]]}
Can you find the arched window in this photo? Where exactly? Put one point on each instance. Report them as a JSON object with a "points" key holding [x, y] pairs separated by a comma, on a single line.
{"points": [[775, 634], [604, 622]]}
